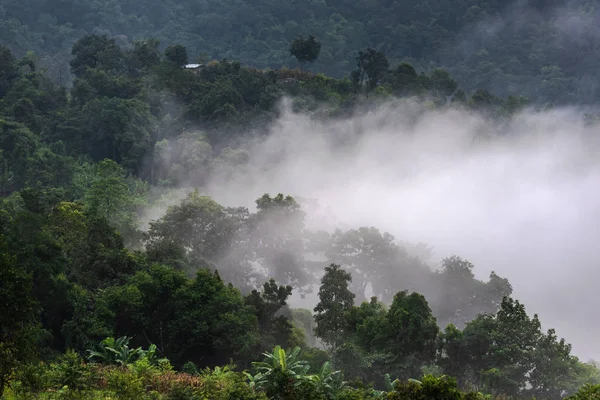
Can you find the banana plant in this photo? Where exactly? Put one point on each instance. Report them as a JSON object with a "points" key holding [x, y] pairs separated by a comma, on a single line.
{"points": [[389, 387], [389, 384], [328, 381], [278, 362], [116, 351], [254, 381]]}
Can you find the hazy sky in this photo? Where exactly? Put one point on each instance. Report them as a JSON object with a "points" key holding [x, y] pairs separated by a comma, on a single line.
{"points": [[520, 199]]}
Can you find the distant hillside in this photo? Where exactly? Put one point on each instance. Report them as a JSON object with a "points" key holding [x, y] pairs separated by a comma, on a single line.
{"points": [[547, 50]]}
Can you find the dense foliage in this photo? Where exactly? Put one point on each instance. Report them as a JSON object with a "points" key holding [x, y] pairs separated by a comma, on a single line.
{"points": [[542, 49], [203, 284]]}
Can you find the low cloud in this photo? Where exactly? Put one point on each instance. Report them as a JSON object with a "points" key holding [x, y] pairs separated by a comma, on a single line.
{"points": [[519, 197]]}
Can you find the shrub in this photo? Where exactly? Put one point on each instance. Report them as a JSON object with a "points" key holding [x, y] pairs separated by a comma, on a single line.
{"points": [[180, 392], [70, 375], [190, 368], [588, 392], [442, 388], [125, 383], [31, 378]]}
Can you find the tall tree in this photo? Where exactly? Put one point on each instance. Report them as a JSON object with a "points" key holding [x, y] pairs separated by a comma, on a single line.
{"points": [[270, 309], [372, 65], [177, 54], [502, 348], [276, 239], [374, 258], [18, 315], [144, 55], [108, 192], [335, 300], [305, 49], [411, 334], [459, 297], [200, 224], [9, 70], [95, 51], [555, 368]]}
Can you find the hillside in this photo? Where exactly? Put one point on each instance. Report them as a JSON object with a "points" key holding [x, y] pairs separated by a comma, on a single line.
{"points": [[545, 50], [125, 277], [133, 104]]}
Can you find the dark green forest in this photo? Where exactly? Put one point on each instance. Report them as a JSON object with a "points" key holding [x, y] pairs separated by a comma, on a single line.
{"points": [[544, 50], [97, 306]]}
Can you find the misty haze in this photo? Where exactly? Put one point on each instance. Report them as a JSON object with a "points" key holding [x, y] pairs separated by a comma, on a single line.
{"points": [[320, 200], [518, 198]]}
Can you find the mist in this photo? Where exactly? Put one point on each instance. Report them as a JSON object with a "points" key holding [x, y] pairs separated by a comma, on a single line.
{"points": [[518, 197]]}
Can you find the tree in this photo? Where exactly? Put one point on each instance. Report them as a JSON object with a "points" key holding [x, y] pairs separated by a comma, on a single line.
{"points": [[335, 300], [9, 70], [177, 54], [373, 258], [39, 254], [108, 192], [199, 224], [18, 315], [305, 49], [515, 339], [18, 145], [203, 320], [275, 239], [366, 324], [588, 392], [118, 129], [411, 334], [95, 51], [502, 348], [452, 356], [371, 64], [459, 297], [221, 328], [144, 55], [405, 81], [483, 100], [94, 251], [555, 367], [442, 85], [275, 328]]}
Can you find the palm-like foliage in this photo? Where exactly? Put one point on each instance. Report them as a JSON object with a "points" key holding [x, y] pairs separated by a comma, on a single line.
{"points": [[389, 387], [328, 381], [117, 351], [282, 369], [278, 362]]}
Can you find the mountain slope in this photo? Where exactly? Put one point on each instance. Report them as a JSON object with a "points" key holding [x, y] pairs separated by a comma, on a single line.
{"points": [[544, 49]]}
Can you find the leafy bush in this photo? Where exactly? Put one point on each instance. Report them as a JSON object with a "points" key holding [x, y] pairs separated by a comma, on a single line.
{"points": [[125, 383], [190, 368], [31, 378], [430, 387], [71, 376], [117, 351], [588, 392]]}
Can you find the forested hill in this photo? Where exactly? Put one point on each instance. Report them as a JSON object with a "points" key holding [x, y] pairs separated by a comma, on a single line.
{"points": [[545, 50], [92, 259]]}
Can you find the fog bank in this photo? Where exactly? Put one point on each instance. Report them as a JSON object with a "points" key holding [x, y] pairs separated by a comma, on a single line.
{"points": [[519, 197]]}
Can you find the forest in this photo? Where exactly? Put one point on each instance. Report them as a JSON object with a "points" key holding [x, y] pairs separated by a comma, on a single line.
{"points": [[106, 298], [543, 49]]}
